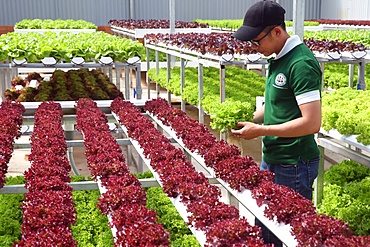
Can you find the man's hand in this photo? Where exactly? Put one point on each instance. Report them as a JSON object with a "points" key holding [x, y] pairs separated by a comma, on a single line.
{"points": [[249, 130]]}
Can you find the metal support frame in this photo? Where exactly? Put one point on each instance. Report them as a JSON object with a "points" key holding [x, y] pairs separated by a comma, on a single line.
{"points": [[322, 67], [319, 181], [222, 83], [146, 74], [200, 93], [215, 61], [127, 84], [83, 185], [328, 143], [361, 75], [351, 62], [157, 86], [298, 17], [344, 145], [201, 60], [8, 70], [182, 78], [169, 61], [351, 71], [118, 78]]}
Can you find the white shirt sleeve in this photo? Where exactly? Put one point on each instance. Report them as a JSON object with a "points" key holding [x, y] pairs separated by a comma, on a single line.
{"points": [[308, 97]]}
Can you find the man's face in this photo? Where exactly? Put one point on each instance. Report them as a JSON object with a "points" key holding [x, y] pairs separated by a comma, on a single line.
{"points": [[263, 42]]}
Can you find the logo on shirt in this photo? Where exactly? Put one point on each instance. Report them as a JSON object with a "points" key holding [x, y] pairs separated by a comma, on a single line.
{"points": [[280, 80]]}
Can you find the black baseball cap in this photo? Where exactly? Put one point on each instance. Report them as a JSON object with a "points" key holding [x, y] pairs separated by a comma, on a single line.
{"points": [[258, 17]]}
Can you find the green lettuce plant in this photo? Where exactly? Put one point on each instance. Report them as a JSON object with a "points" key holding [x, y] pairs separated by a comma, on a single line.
{"points": [[64, 46], [54, 24]]}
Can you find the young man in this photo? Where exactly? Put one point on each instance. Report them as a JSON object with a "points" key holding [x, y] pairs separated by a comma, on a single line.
{"points": [[291, 114]]}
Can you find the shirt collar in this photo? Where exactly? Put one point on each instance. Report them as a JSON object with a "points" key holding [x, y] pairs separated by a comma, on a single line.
{"points": [[290, 43]]}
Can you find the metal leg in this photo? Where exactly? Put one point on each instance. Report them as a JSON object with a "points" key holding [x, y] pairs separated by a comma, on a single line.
{"points": [[200, 93], [129, 152], [127, 83], [111, 74], [140, 167], [69, 133], [319, 181], [168, 77], [138, 81], [351, 71], [2, 83], [118, 78], [222, 83], [147, 69], [158, 89], [361, 75], [182, 76]]}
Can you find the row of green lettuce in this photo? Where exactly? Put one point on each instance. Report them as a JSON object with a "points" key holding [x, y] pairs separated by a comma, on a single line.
{"points": [[64, 46], [91, 228], [243, 86], [54, 24], [92, 46], [347, 111], [347, 195]]}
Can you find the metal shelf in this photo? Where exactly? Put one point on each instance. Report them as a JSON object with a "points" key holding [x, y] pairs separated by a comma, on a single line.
{"points": [[10, 70], [347, 139], [244, 198], [344, 145], [92, 185], [243, 61]]}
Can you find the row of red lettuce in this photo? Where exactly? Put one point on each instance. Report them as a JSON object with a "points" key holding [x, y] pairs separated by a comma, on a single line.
{"points": [[283, 204]]}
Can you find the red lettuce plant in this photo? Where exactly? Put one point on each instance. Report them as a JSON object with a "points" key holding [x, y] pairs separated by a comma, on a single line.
{"points": [[282, 203], [137, 227], [124, 199], [222, 43], [239, 230], [10, 124], [48, 209], [314, 230], [178, 177]]}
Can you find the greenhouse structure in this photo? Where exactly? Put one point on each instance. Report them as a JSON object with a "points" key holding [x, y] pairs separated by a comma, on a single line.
{"points": [[119, 117]]}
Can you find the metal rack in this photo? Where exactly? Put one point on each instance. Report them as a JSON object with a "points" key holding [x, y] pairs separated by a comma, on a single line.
{"points": [[359, 58], [346, 146], [10, 69], [68, 122], [243, 199], [201, 60], [243, 61], [350, 58]]}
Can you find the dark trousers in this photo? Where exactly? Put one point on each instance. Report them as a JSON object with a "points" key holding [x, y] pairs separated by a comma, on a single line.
{"points": [[299, 177]]}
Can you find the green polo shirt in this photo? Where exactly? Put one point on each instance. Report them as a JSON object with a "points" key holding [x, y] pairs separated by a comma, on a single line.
{"points": [[293, 75]]}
